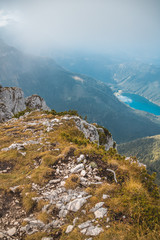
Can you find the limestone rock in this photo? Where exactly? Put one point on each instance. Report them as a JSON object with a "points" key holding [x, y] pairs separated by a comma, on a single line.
{"points": [[97, 206], [76, 204], [1, 235], [88, 229], [100, 213], [105, 196], [11, 231], [69, 228], [36, 102], [78, 168], [91, 132], [11, 102], [63, 213], [80, 158], [47, 238], [85, 224], [92, 231]]}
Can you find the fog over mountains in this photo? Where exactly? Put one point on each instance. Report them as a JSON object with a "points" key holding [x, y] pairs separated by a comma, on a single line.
{"points": [[64, 90]]}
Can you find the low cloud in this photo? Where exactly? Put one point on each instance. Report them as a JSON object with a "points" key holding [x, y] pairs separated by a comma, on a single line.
{"points": [[7, 18], [84, 24]]}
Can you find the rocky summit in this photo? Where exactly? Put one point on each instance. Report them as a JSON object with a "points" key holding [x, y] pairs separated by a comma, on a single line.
{"points": [[12, 101], [62, 178]]}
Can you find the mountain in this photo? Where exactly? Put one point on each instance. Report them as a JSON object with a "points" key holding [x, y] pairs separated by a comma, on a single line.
{"points": [[147, 150], [120, 72], [64, 90], [57, 182]]}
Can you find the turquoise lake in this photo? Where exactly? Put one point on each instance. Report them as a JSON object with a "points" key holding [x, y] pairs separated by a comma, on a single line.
{"points": [[139, 103]]}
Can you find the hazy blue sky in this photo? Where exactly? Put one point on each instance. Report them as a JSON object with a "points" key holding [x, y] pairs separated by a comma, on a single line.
{"points": [[83, 24]]}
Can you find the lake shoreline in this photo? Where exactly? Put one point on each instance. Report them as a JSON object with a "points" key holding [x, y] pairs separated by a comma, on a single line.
{"points": [[138, 102]]}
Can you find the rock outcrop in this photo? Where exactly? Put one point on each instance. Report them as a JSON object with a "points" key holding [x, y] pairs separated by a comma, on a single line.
{"points": [[93, 133], [36, 102], [12, 101]]}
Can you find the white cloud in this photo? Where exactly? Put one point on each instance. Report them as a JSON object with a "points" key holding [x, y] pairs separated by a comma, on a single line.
{"points": [[99, 25], [124, 99], [7, 18]]}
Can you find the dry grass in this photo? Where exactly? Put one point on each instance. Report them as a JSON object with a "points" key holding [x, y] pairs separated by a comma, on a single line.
{"points": [[72, 182], [44, 217], [28, 202], [41, 203]]}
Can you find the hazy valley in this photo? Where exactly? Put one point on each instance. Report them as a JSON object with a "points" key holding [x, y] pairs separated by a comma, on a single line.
{"points": [[64, 90]]}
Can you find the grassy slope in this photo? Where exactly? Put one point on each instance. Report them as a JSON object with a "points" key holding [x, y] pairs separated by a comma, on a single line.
{"points": [[147, 150], [135, 196]]}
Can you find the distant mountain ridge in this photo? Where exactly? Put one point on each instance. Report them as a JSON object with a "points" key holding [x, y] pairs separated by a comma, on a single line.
{"points": [[120, 72], [147, 150], [64, 90]]}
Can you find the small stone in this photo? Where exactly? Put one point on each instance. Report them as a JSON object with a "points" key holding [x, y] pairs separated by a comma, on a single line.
{"points": [[15, 223], [63, 213], [69, 228], [54, 181], [66, 177], [37, 223], [47, 238], [1, 235], [105, 196], [83, 211], [107, 220], [11, 231], [76, 204], [13, 189], [80, 158], [78, 168], [92, 231], [100, 213], [63, 183], [83, 173], [57, 171], [84, 225], [97, 178], [23, 153], [75, 220], [97, 206]]}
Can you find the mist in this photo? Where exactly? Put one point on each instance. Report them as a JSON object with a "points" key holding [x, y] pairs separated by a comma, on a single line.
{"points": [[93, 25]]}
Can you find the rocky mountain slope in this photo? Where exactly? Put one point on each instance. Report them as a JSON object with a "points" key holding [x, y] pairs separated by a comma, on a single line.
{"points": [[57, 181], [64, 90], [12, 101], [147, 150]]}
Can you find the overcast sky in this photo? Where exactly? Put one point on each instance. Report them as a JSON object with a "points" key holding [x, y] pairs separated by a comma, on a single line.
{"points": [[96, 25]]}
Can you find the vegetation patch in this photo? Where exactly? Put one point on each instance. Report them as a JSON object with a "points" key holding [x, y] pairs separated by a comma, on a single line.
{"points": [[72, 182]]}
